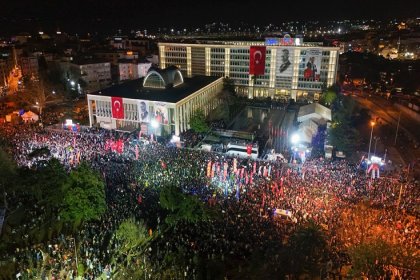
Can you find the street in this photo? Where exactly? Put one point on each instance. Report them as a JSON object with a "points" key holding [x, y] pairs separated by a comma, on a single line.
{"points": [[408, 135]]}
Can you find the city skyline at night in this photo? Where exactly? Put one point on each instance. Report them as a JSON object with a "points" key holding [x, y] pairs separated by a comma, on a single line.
{"points": [[94, 15]]}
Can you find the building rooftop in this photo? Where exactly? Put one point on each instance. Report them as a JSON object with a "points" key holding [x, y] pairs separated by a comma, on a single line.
{"points": [[134, 90], [312, 110], [134, 61], [86, 61]]}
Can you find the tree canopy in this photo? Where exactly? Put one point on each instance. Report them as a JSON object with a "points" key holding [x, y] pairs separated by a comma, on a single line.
{"points": [[307, 248], [84, 195], [7, 171], [182, 207], [132, 240], [343, 136], [198, 122], [328, 97], [376, 258], [36, 94]]}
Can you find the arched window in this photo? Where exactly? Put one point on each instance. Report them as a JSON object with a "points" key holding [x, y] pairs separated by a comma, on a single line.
{"points": [[154, 80], [168, 77]]}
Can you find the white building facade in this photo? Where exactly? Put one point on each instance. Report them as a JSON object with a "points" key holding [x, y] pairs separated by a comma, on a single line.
{"points": [[130, 70], [171, 108], [96, 75], [232, 59]]}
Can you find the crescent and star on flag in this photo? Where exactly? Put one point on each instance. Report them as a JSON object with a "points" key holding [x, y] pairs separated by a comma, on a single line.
{"points": [[257, 60], [117, 108]]}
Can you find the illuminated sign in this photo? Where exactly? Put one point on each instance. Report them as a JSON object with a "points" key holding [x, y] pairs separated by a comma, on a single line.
{"points": [[287, 41], [271, 41]]}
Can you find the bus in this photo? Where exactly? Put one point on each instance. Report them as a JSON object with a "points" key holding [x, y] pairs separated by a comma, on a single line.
{"points": [[242, 150]]}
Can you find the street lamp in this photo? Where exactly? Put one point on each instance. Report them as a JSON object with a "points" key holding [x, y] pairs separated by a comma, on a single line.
{"points": [[372, 123], [376, 141]]}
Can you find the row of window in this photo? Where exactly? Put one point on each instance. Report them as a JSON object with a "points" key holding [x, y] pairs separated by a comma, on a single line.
{"points": [[175, 49], [309, 85], [232, 50], [217, 56]]}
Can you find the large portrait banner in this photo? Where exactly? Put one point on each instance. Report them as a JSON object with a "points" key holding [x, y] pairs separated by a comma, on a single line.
{"points": [[311, 64], [284, 62], [143, 107], [161, 112]]}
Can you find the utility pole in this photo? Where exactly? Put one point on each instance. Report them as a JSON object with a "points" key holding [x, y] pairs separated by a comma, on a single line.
{"points": [[376, 141], [370, 141], [386, 150], [398, 125]]}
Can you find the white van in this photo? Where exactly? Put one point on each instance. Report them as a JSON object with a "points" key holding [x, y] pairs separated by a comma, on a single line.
{"points": [[240, 150]]}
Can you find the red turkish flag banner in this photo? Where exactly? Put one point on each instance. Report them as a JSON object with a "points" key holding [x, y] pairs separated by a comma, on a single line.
{"points": [[119, 146], [249, 149], [117, 107], [257, 60]]}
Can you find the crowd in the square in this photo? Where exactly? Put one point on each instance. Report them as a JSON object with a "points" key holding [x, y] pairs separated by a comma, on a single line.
{"points": [[253, 195]]}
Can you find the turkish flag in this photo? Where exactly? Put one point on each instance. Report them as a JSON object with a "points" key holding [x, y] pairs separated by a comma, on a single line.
{"points": [[249, 149], [257, 60], [119, 146], [117, 107]]}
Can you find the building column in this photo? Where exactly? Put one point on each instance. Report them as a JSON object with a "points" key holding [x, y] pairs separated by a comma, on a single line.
{"points": [[90, 111], [227, 62], [183, 117], [162, 57], [189, 71]]}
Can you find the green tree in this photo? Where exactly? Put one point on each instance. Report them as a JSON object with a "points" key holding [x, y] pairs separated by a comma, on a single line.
{"points": [[342, 134], [370, 259], [198, 122], [328, 97], [47, 183], [84, 195], [36, 94], [182, 207], [344, 137], [132, 238], [229, 85], [307, 248], [7, 172]]}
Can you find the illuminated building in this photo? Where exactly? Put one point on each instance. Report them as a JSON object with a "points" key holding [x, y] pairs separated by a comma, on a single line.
{"points": [[164, 96], [130, 69], [232, 59]]}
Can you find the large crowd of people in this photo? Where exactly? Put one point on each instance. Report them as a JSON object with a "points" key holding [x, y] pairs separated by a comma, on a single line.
{"points": [[260, 200]]}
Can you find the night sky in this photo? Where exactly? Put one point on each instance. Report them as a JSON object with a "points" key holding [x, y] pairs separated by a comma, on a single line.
{"points": [[91, 14]]}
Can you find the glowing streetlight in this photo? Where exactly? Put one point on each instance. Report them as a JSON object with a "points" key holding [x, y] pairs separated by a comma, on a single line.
{"points": [[372, 123]]}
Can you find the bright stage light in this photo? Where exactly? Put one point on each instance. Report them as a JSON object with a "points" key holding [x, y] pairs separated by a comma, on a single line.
{"points": [[295, 138], [154, 124]]}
